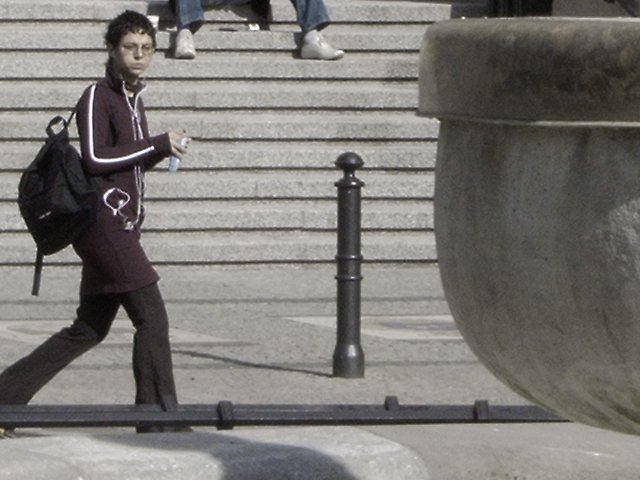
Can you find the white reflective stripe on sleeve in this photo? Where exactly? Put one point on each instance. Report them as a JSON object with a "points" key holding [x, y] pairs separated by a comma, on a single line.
{"points": [[92, 153]]}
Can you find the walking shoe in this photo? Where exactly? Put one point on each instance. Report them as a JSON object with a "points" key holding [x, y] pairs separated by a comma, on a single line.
{"points": [[7, 432], [315, 47], [185, 47]]}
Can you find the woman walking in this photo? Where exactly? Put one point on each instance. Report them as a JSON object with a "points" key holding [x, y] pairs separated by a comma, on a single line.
{"points": [[117, 150]]}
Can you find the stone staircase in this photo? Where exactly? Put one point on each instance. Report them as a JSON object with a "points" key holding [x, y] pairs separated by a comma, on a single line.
{"points": [[258, 184]]}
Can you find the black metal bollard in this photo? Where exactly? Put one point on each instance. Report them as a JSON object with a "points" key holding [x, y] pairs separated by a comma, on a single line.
{"points": [[348, 357]]}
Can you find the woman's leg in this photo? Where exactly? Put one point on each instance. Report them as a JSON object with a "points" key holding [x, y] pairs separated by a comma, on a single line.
{"points": [[152, 365], [22, 380]]}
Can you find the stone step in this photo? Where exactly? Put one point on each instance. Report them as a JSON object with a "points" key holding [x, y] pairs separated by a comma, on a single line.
{"points": [[224, 95], [201, 248], [375, 126], [350, 12], [354, 11], [264, 185], [258, 183], [220, 215], [204, 285], [215, 66], [411, 156], [29, 37], [317, 185], [79, 10]]}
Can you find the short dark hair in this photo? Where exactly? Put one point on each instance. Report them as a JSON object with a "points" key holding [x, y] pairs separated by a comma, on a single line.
{"points": [[128, 22]]}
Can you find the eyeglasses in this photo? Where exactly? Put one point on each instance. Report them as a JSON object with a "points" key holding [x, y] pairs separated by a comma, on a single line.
{"points": [[132, 48]]}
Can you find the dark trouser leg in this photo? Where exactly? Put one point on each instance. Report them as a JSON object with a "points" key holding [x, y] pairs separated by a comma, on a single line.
{"points": [[152, 366], [22, 380]]}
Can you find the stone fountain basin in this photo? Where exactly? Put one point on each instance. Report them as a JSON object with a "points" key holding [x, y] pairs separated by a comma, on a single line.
{"points": [[537, 204]]}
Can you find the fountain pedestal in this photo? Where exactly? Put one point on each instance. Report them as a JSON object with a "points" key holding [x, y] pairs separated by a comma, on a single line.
{"points": [[537, 204]]}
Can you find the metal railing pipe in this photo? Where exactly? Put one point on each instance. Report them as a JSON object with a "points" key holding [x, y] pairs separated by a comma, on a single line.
{"points": [[226, 415]]}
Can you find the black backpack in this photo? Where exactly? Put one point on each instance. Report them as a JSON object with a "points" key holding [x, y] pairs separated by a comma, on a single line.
{"points": [[57, 200]]}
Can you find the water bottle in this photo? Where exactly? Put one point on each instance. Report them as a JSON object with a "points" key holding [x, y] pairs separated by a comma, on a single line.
{"points": [[174, 162]]}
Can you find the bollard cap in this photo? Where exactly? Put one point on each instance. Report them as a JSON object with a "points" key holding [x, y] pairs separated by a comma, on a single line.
{"points": [[349, 162]]}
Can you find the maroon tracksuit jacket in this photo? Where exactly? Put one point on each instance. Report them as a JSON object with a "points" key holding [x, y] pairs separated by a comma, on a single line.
{"points": [[117, 149]]}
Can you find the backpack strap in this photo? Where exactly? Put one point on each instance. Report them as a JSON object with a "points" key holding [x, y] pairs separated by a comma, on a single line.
{"points": [[37, 274], [73, 112]]}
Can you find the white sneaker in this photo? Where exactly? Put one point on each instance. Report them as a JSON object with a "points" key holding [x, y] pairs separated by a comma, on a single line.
{"points": [[185, 47], [315, 47]]}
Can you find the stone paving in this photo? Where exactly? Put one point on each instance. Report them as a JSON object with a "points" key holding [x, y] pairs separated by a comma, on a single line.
{"points": [[264, 335]]}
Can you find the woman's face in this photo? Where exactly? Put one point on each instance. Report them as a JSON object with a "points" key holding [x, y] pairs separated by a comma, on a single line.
{"points": [[132, 56]]}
